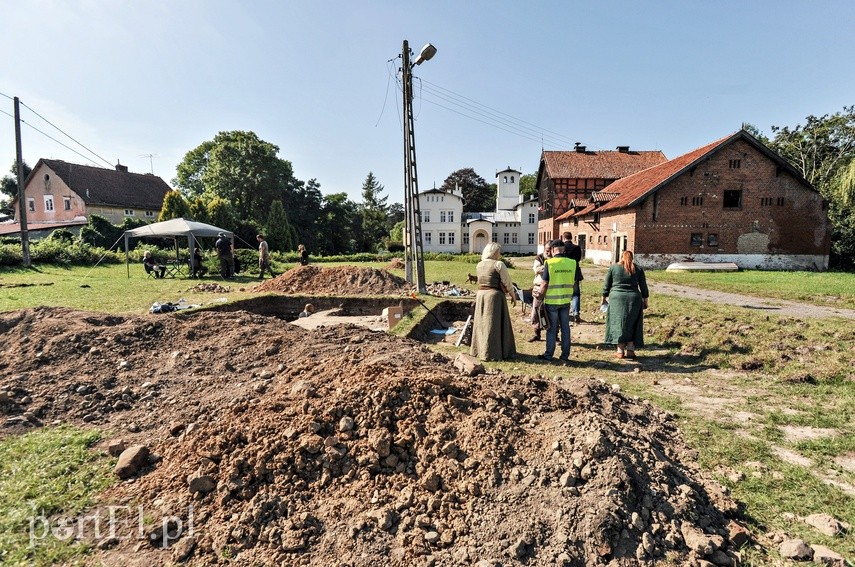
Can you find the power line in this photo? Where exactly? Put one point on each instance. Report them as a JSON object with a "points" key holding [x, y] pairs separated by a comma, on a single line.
{"points": [[474, 110], [55, 140], [65, 134], [438, 90]]}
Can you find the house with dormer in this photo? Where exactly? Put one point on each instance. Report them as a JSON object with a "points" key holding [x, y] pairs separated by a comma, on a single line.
{"points": [[567, 178], [59, 194], [733, 200]]}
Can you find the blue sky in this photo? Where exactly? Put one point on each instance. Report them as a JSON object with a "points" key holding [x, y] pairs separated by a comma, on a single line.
{"points": [[130, 79]]}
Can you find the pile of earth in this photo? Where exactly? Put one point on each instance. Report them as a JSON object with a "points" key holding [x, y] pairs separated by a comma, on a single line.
{"points": [[343, 446], [340, 280], [396, 264]]}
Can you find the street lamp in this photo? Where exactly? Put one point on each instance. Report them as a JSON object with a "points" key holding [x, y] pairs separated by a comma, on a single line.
{"points": [[414, 252]]}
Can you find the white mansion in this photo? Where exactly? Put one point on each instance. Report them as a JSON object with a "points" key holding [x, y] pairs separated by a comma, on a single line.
{"points": [[446, 228]]}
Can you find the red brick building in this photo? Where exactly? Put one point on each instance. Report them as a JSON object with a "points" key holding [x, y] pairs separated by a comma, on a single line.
{"points": [[734, 200], [565, 178]]}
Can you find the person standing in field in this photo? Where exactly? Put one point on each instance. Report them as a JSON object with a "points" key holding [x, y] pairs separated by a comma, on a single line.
{"points": [[559, 276], [224, 253], [492, 333], [574, 252], [304, 255], [537, 292], [263, 257], [626, 294]]}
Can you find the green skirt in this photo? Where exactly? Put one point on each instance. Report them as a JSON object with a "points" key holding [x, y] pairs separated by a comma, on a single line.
{"points": [[625, 319]]}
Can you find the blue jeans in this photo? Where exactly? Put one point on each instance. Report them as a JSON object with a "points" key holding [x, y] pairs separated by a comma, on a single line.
{"points": [[574, 305], [558, 315]]}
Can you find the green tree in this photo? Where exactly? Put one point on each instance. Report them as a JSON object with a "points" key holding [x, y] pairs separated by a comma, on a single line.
{"points": [[303, 203], [9, 187], [823, 151], [373, 214], [338, 218], [394, 215], [175, 206], [477, 194], [240, 168], [821, 148], [220, 213], [198, 210], [280, 235], [527, 185]]}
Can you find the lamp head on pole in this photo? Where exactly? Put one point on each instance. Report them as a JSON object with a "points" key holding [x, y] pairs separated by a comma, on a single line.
{"points": [[427, 52]]}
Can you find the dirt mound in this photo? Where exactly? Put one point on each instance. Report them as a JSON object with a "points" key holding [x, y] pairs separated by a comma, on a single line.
{"points": [[396, 264], [210, 287], [340, 280], [343, 446]]}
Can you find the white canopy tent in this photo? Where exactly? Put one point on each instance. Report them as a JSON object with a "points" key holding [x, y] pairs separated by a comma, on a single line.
{"points": [[174, 228]]}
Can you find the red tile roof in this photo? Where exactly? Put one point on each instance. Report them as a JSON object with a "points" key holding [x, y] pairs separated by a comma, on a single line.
{"points": [[598, 164]]}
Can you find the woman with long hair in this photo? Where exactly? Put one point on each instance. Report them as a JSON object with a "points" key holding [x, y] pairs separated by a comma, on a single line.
{"points": [[492, 334], [626, 294]]}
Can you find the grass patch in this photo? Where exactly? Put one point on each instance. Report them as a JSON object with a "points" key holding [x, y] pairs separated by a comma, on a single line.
{"points": [[44, 473], [822, 288]]}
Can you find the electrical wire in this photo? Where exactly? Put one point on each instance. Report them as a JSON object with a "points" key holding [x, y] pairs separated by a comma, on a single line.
{"points": [[474, 110], [65, 134]]}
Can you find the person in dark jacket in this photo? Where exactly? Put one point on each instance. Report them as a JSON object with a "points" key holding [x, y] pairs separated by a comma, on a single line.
{"points": [[574, 252]]}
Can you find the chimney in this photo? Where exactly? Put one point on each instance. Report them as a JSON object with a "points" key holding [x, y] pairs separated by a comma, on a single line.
{"points": [[120, 167], [580, 148], [623, 149]]}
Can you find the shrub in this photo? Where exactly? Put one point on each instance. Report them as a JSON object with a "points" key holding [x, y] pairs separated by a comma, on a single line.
{"points": [[10, 254]]}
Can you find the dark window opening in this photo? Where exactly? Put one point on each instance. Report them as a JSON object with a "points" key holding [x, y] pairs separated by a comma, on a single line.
{"points": [[712, 240], [780, 202], [697, 201], [765, 201], [733, 199], [735, 163], [697, 239], [684, 201]]}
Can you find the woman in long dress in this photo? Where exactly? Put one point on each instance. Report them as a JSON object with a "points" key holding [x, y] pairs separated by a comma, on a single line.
{"points": [[492, 334], [625, 292]]}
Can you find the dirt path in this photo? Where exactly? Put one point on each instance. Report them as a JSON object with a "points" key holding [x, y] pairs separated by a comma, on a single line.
{"points": [[594, 276]]}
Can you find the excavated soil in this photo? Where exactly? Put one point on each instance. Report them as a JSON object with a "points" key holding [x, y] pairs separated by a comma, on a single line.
{"points": [[340, 280], [350, 447]]}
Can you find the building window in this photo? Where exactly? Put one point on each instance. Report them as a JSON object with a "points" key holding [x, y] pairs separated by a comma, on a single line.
{"points": [[66, 201], [129, 212], [441, 216], [514, 238], [697, 201], [531, 218], [428, 238], [732, 199], [512, 178], [780, 202], [506, 238], [450, 216], [697, 239], [441, 238], [48, 202], [765, 201], [451, 238], [734, 164], [684, 201], [505, 179], [425, 216], [712, 240], [31, 205], [149, 214], [495, 237], [466, 239]]}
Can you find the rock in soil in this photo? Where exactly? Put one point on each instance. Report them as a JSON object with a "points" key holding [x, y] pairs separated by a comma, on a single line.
{"points": [[363, 448]]}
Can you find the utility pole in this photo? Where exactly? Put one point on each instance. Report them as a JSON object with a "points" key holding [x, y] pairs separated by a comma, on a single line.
{"points": [[413, 217], [22, 201]]}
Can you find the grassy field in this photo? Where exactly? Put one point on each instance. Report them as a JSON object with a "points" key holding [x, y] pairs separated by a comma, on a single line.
{"points": [[750, 390]]}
